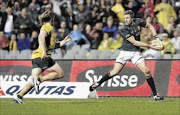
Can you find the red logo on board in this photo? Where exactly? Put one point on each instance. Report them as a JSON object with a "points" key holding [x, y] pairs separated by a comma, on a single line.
{"points": [[1, 92]]}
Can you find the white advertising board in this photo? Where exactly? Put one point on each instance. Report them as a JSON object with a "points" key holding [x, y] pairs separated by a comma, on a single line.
{"points": [[73, 90]]}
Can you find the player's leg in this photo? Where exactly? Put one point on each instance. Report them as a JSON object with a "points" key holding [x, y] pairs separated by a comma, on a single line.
{"points": [[140, 62], [18, 98], [117, 68], [121, 60], [144, 68], [49, 65], [56, 73], [36, 72]]}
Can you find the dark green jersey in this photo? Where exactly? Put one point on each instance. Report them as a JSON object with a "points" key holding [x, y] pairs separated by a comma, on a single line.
{"points": [[129, 31]]}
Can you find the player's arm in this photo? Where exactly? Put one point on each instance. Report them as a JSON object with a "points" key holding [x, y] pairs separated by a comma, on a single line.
{"points": [[64, 41], [42, 43], [140, 44], [149, 26], [137, 43]]}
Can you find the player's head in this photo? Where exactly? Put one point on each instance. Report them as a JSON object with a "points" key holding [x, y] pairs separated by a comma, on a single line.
{"points": [[46, 17], [128, 17]]}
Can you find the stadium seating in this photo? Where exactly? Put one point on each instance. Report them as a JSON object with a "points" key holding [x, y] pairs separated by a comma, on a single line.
{"points": [[104, 56], [10, 57], [56, 56], [81, 56], [14, 52], [167, 56], [3, 52], [176, 56], [25, 52], [22, 57], [92, 57], [2, 56], [85, 46], [69, 56], [75, 52]]}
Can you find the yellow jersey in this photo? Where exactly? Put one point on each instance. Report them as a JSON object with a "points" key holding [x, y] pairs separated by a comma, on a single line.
{"points": [[164, 16], [50, 42], [119, 10]]}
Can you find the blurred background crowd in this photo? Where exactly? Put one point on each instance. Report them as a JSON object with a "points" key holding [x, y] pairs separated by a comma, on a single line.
{"points": [[94, 26]]}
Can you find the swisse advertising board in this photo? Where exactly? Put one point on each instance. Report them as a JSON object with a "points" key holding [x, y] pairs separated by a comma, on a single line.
{"points": [[47, 90], [174, 80], [130, 82], [13, 70]]}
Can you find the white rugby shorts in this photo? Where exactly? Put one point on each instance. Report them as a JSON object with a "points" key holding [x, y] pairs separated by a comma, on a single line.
{"points": [[134, 56]]}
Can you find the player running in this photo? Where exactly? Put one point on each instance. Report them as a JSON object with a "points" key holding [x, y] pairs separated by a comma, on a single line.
{"points": [[130, 51], [41, 58]]}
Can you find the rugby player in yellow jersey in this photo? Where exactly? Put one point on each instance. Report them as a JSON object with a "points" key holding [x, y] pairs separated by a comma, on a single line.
{"points": [[41, 58]]}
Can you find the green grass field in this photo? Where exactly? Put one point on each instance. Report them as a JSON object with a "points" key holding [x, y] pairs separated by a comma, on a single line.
{"points": [[103, 106]]}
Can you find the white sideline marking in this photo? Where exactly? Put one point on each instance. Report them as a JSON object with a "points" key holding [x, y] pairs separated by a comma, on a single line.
{"points": [[88, 101]]}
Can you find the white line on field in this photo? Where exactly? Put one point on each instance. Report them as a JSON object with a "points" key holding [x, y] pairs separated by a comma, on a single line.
{"points": [[74, 101]]}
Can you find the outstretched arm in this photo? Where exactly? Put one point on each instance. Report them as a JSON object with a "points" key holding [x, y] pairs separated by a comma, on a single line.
{"points": [[153, 31], [139, 44], [61, 43]]}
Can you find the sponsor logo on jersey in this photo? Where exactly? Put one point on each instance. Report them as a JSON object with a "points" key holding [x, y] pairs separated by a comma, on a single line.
{"points": [[128, 35]]}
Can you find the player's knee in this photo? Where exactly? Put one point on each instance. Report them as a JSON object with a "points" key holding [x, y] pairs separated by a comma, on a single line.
{"points": [[147, 71], [113, 73], [31, 83], [60, 74]]}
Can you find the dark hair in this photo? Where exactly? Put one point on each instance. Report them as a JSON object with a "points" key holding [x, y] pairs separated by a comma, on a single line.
{"points": [[130, 12], [46, 16], [148, 16]]}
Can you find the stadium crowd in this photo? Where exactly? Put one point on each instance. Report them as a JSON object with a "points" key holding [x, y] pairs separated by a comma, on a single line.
{"points": [[91, 23]]}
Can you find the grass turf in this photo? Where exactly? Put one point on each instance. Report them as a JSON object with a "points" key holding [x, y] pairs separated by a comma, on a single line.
{"points": [[102, 106]]}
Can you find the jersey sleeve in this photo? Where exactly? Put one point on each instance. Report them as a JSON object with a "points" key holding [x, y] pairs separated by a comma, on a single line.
{"points": [[46, 28], [142, 23], [125, 34]]}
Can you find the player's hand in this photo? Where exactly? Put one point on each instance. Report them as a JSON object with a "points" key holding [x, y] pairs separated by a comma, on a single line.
{"points": [[44, 55], [153, 47], [67, 38], [158, 39]]}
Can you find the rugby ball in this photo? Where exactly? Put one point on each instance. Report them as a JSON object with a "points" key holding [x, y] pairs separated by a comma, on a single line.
{"points": [[158, 44]]}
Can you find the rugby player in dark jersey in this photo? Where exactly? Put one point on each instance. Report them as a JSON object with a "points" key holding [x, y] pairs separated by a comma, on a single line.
{"points": [[130, 51]]}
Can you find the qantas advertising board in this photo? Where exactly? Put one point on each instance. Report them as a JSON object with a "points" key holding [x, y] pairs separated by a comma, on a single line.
{"points": [[129, 82], [48, 90]]}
